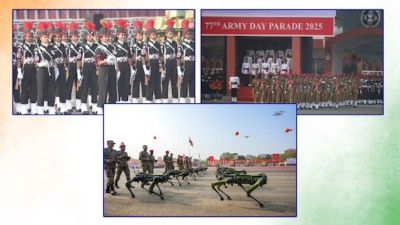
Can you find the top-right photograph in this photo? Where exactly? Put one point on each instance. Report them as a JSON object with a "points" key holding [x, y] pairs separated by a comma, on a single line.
{"points": [[329, 62]]}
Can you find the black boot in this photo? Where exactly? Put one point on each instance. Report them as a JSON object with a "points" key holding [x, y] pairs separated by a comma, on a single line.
{"points": [[108, 189], [116, 184], [113, 192]]}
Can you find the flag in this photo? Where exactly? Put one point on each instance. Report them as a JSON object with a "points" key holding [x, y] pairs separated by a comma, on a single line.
{"points": [[190, 142]]}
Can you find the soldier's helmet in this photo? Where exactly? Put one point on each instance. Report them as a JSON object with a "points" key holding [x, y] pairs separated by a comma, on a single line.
{"points": [[106, 29], [150, 27], [110, 142], [170, 25], [41, 29], [89, 28], [121, 26], [138, 27], [73, 28], [59, 28]]}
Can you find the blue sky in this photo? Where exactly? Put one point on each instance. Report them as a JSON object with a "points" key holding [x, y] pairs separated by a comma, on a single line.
{"points": [[211, 127]]}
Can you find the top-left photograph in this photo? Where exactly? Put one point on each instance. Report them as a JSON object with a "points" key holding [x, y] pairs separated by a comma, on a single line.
{"points": [[73, 61]]}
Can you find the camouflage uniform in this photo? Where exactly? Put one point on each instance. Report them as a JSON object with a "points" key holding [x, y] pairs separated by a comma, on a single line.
{"points": [[179, 161], [166, 162], [110, 160], [144, 157], [123, 158], [151, 162], [171, 162], [186, 162]]}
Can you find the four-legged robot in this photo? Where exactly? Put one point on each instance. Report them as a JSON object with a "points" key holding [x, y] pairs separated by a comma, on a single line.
{"points": [[148, 179], [254, 180]]}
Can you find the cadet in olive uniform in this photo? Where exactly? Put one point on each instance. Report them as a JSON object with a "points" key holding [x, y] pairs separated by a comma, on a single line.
{"points": [[123, 159], [105, 58], [179, 161], [171, 161], [151, 162], [26, 70], [186, 54], [47, 70], [153, 50], [74, 65], [89, 78], [110, 160], [124, 61], [186, 162], [144, 158], [137, 64], [169, 49], [166, 161]]}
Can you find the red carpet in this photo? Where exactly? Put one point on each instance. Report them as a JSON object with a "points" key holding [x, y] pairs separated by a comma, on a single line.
{"points": [[244, 94]]}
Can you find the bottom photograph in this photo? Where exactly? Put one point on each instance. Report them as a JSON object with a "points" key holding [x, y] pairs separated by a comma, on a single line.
{"points": [[201, 160]]}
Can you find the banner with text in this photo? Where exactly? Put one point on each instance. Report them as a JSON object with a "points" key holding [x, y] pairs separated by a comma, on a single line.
{"points": [[268, 26]]}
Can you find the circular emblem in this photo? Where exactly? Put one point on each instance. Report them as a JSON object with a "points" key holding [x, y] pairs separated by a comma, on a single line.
{"points": [[370, 18]]}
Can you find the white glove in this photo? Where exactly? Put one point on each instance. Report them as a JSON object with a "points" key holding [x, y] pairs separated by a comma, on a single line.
{"points": [[118, 75], [43, 64], [20, 74], [163, 75], [133, 74], [79, 74], [111, 60], [146, 71], [180, 74], [56, 72]]}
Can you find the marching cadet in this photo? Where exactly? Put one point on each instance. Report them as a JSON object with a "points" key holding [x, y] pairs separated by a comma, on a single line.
{"points": [[144, 158], [153, 51], [137, 55], [89, 78], [166, 162], [246, 71], [61, 53], [74, 61], [234, 82], [151, 162], [169, 49], [15, 81], [263, 89], [317, 93], [291, 89], [110, 160], [186, 54], [122, 161], [255, 83], [47, 70], [124, 61], [179, 161], [171, 161], [26, 70], [106, 61], [186, 162]]}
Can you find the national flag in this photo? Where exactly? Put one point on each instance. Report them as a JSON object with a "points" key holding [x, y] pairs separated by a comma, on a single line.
{"points": [[190, 142]]}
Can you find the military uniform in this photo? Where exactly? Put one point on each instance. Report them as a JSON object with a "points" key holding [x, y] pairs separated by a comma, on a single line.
{"points": [[169, 49], [109, 162], [47, 71], [153, 58], [123, 159], [186, 162], [137, 53], [61, 54], [179, 161], [152, 160], [234, 82], [89, 77], [186, 54], [15, 81], [105, 58], [144, 158], [27, 71], [74, 60], [166, 162], [171, 162]]}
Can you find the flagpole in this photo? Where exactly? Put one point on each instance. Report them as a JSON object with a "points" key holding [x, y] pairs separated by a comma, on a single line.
{"points": [[189, 148]]}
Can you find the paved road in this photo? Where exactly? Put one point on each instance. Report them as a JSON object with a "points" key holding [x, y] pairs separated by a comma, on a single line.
{"points": [[198, 199]]}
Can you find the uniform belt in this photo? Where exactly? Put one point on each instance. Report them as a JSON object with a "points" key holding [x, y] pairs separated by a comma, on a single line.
{"points": [[154, 56], [72, 59], [122, 59], [170, 56], [234, 82], [59, 60], [189, 58], [29, 60], [90, 60], [50, 64]]}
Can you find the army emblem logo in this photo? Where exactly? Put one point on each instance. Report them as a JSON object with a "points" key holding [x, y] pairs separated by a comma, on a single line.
{"points": [[370, 18]]}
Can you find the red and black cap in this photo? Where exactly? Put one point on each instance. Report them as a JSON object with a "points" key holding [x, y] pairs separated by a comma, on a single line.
{"points": [[59, 28], [27, 27], [89, 28], [106, 29], [41, 29], [187, 26], [150, 27], [121, 26], [170, 25], [138, 24], [73, 28]]}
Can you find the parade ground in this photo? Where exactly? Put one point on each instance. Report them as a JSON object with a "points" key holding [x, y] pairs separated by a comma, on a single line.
{"points": [[279, 197]]}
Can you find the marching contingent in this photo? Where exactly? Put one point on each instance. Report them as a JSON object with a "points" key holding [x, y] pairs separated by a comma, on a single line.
{"points": [[51, 66]]}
